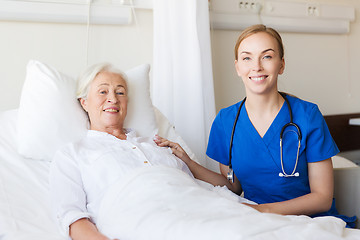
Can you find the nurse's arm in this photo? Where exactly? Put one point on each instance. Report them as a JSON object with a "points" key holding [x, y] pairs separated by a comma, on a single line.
{"points": [[318, 200], [235, 186]]}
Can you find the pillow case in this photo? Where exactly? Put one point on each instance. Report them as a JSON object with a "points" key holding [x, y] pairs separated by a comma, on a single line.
{"points": [[50, 115], [140, 114]]}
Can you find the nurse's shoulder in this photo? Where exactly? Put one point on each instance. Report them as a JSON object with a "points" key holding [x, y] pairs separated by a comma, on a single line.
{"points": [[229, 112], [302, 107]]}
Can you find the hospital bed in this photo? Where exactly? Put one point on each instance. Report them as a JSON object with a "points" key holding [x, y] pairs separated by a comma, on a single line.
{"points": [[25, 212], [346, 173]]}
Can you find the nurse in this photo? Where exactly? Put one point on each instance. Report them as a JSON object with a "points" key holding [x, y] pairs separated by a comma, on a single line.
{"points": [[283, 180]]}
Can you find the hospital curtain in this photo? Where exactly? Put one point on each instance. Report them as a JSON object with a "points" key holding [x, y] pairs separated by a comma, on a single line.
{"points": [[182, 85]]}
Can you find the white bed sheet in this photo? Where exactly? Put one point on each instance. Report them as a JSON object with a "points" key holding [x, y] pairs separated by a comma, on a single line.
{"points": [[164, 203], [24, 208]]}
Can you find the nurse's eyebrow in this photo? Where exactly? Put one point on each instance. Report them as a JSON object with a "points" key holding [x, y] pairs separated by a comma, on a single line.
{"points": [[270, 49], [267, 50]]}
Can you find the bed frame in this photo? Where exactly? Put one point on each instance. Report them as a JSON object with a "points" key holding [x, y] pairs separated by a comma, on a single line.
{"points": [[346, 180]]}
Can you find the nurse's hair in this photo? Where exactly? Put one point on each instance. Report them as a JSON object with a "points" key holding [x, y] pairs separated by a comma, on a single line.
{"points": [[257, 29], [86, 78]]}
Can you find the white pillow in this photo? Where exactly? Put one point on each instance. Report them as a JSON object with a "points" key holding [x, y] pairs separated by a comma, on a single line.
{"points": [[140, 115], [50, 115]]}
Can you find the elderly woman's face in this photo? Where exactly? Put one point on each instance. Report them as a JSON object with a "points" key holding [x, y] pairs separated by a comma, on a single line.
{"points": [[106, 103]]}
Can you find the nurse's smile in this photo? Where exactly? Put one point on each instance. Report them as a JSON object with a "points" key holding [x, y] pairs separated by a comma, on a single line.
{"points": [[258, 78]]}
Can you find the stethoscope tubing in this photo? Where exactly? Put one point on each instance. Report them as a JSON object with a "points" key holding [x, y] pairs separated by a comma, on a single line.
{"points": [[230, 175]]}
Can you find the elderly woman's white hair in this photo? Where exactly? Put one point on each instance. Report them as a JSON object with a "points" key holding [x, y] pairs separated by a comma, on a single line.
{"points": [[86, 78]]}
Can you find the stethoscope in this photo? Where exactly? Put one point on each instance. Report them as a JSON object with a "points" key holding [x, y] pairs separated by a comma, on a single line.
{"points": [[230, 175]]}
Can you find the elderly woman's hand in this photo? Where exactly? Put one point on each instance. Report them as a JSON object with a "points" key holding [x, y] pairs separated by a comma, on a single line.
{"points": [[176, 149], [85, 229]]}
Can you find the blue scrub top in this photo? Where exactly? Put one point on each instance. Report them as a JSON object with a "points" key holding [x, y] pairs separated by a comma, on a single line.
{"points": [[256, 159]]}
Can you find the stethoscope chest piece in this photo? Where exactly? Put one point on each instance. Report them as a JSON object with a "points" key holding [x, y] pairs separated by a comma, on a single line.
{"points": [[289, 175], [230, 175]]}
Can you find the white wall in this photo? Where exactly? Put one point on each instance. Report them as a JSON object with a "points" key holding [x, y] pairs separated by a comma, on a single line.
{"points": [[321, 68], [64, 47]]}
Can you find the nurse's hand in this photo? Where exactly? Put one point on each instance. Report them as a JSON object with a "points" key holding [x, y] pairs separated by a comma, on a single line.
{"points": [[259, 207], [176, 149]]}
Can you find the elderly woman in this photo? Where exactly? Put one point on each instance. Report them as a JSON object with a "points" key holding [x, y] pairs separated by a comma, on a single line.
{"points": [[82, 171]]}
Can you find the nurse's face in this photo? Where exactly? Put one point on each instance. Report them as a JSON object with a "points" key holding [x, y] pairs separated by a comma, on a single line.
{"points": [[106, 103], [259, 63]]}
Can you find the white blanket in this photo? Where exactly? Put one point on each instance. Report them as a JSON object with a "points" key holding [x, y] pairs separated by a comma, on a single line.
{"points": [[162, 203]]}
